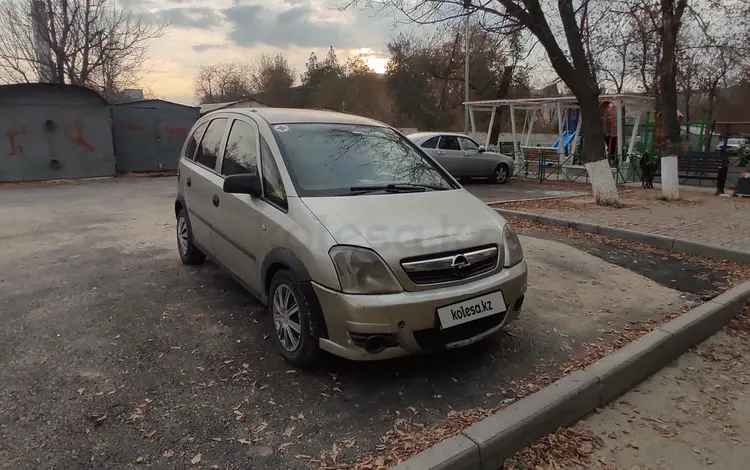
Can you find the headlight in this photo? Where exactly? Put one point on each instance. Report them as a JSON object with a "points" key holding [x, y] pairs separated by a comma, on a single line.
{"points": [[362, 271], [513, 250]]}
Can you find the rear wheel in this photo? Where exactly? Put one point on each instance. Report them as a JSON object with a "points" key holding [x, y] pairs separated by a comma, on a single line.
{"points": [[296, 332], [189, 253], [500, 174]]}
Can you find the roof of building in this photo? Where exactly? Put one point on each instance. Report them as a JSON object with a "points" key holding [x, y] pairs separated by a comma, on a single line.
{"points": [[62, 87], [151, 100]]}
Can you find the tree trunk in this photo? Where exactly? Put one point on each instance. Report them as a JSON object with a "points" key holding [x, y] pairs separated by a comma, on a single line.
{"points": [[594, 155], [671, 16], [502, 93]]}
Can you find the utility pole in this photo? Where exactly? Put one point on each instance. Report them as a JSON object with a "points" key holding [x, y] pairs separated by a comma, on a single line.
{"points": [[467, 5]]}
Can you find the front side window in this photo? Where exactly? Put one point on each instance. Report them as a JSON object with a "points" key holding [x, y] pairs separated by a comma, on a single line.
{"points": [[241, 153], [192, 144], [327, 159], [430, 143], [468, 144], [449, 142], [208, 150]]}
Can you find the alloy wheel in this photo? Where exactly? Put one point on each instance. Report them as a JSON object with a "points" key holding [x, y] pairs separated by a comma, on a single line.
{"points": [[286, 318]]}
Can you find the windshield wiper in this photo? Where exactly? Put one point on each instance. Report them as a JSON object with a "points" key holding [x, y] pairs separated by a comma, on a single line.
{"points": [[395, 188]]}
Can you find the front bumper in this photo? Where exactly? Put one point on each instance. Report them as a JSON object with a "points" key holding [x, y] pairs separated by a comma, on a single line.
{"points": [[408, 320]]}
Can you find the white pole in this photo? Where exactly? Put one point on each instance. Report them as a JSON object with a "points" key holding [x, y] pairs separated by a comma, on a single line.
{"points": [[561, 143], [466, 74], [634, 133], [513, 131], [489, 131]]}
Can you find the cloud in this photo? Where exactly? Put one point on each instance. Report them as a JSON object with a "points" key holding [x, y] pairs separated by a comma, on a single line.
{"points": [[191, 17], [207, 47], [302, 26]]}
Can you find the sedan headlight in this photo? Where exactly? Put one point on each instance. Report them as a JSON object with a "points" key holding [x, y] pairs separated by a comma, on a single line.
{"points": [[362, 271], [513, 250]]}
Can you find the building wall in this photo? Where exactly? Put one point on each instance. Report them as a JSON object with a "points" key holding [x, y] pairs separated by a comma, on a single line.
{"points": [[149, 134], [52, 131]]}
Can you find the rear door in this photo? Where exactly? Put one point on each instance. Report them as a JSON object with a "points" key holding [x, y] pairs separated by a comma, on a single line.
{"points": [[450, 155], [430, 146], [202, 181]]}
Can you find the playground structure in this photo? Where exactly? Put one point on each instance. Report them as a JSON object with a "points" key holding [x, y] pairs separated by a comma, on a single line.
{"points": [[562, 159]]}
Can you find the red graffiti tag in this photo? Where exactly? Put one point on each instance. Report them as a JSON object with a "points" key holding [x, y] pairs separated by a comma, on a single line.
{"points": [[15, 149], [78, 138], [129, 126], [171, 130]]}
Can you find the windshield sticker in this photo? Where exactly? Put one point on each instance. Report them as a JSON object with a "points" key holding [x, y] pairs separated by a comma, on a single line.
{"points": [[281, 128]]}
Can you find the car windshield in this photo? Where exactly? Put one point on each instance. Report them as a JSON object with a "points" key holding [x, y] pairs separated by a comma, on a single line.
{"points": [[735, 141], [327, 159]]}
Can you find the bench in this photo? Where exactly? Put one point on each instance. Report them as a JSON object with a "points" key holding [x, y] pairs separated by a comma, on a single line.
{"points": [[701, 166]]}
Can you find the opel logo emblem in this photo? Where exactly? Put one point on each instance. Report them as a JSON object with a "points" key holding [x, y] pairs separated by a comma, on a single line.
{"points": [[459, 262]]}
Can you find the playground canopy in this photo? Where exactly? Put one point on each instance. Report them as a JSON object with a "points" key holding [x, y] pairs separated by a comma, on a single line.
{"points": [[615, 108]]}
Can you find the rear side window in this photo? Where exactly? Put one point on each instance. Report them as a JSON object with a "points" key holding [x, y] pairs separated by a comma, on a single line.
{"points": [[449, 142], [208, 150], [241, 153], [430, 143], [195, 137]]}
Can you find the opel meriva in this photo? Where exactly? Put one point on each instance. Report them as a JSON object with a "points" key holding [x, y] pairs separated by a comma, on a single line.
{"points": [[358, 242]]}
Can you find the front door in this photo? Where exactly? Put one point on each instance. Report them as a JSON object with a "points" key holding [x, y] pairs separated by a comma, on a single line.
{"points": [[237, 227], [450, 155], [473, 160]]}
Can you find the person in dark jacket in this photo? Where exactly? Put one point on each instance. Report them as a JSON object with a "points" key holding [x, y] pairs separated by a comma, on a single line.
{"points": [[648, 170]]}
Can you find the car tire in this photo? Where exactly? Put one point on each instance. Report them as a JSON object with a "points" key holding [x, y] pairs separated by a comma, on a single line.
{"points": [[500, 174], [189, 253], [294, 327]]}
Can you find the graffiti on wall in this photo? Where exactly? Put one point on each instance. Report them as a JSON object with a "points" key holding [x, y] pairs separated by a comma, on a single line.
{"points": [[129, 126], [170, 130], [13, 133], [76, 136]]}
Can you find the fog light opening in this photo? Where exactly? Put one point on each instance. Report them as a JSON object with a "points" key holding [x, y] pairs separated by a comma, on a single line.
{"points": [[518, 304]]}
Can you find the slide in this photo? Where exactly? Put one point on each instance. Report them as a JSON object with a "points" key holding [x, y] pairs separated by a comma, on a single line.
{"points": [[567, 138]]}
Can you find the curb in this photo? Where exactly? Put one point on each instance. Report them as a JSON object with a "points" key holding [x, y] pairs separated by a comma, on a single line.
{"points": [[668, 243], [486, 444]]}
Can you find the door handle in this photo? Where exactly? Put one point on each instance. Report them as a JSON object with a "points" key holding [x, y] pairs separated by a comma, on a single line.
{"points": [[215, 200], [440, 153], [189, 182]]}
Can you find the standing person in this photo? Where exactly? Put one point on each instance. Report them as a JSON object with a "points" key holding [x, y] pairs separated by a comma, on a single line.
{"points": [[643, 163]]}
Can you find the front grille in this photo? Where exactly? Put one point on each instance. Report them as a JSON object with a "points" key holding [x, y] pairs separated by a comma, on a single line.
{"points": [[443, 267], [436, 339]]}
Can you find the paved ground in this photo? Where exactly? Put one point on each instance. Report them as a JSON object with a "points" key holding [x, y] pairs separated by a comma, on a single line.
{"points": [[699, 216], [114, 355], [692, 414]]}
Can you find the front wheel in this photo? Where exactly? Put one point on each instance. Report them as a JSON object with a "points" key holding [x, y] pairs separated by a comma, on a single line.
{"points": [[500, 174], [296, 332]]}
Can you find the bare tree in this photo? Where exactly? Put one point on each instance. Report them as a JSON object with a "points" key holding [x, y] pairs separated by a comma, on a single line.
{"points": [[272, 77], [218, 83], [570, 58], [93, 43]]}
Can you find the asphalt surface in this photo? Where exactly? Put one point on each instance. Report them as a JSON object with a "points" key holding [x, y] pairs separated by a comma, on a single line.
{"points": [[114, 355]]}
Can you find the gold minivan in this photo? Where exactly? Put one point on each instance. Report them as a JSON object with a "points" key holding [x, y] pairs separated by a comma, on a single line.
{"points": [[358, 242]]}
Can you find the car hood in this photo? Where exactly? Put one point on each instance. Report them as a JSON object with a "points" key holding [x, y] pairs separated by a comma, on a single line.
{"points": [[404, 225]]}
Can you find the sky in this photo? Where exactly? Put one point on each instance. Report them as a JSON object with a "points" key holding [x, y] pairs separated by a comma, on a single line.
{"points": [[202, 32]]}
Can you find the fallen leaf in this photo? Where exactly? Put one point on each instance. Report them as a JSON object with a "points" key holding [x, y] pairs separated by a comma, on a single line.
{"points": [[196, 460], [334, 452], [148, 434], [289, 431], [239, 416], [260, 427], [139, 460], [413, 410], [245, 441], [168, 453], [380, 461], [285, 445], [302, 456]]}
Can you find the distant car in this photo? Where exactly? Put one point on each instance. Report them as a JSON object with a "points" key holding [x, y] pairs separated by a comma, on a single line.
{"points": [[463, 157], [733, 146]]}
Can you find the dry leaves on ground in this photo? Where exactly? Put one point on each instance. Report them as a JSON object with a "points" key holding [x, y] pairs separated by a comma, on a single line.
{"points": [[568, 448]]}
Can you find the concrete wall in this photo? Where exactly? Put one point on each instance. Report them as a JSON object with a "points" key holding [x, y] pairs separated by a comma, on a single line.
{"points": [[149, 134], [52, 131]]}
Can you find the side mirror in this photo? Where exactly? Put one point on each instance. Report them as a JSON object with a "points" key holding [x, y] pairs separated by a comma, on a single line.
{"points": [[481, 149], [245, 183]]}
